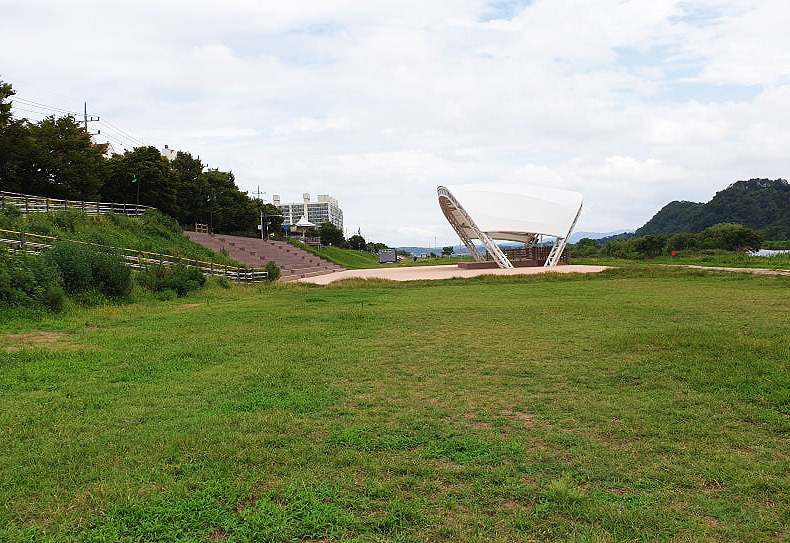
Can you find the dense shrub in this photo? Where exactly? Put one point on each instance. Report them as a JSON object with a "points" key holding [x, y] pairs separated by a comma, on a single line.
{"points": [[179, 279], [156, 223], [54, 298], [27, 279], [85, 268], [68, 220], [9, 216], [74, 264], [273, 271], [110, 275]]}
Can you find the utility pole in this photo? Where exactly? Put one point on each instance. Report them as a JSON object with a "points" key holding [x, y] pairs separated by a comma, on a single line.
{"points": [[90, 119]]}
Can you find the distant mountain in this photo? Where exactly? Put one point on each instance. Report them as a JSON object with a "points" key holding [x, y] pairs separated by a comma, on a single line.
{"points": [[576, 236], [761, 204]]}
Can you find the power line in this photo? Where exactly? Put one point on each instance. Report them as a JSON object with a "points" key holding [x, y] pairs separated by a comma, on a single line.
{"points": [[112, 126], [17, 108], [40, 109], [32, 103], [118, 132]]}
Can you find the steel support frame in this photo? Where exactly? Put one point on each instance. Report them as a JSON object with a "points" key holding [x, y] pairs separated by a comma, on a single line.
{"points": [[559, 246], [449, 204]]}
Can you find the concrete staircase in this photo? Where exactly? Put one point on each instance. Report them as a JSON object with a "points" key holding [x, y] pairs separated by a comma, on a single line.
{"points": [[294, 263]]}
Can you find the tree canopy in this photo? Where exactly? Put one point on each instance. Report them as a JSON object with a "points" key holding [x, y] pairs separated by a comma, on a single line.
{"points": [[55, 157]]}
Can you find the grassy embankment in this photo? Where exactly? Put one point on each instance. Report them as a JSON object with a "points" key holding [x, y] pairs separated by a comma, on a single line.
{"points": [[356, 260], [632, 405], [152, 232]]}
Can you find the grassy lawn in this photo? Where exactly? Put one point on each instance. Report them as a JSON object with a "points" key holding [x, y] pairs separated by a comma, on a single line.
{"points": [[726, 259], [630, 405], [357, 260]]}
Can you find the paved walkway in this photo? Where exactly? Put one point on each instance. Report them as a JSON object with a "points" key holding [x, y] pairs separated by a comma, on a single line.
{"points": [[415, 273]]}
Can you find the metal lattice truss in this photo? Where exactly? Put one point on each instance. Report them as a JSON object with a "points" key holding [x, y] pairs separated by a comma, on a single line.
{"points": [[510, 212], [466, 229]]}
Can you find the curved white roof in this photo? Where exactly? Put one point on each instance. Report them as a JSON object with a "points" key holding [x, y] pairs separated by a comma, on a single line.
{"points": [[513, 212]]}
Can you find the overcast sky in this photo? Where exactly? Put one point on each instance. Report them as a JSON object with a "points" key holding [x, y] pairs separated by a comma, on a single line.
{"points": [[631, 103]]}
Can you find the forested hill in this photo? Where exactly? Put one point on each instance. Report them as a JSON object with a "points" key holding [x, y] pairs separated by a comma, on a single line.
{"points": [[761, 204]]}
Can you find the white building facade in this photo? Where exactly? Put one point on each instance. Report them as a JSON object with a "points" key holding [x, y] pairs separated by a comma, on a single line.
{"points": [[324, 210]]}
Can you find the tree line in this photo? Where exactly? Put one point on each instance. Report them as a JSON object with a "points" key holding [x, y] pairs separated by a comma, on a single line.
{"points": [[56, 158], [724, 236]]}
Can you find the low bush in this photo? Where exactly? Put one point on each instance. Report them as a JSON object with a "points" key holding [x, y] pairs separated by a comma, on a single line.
{"points": [[74, 264], [27, 279], [85, 268], [179, 279], [273, 271], [54, 298], [9, 216], [110, 275]]}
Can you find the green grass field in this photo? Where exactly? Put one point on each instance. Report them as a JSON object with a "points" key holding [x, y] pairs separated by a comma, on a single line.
{"points": [[633, 405], [357, 260], [726, 259]]}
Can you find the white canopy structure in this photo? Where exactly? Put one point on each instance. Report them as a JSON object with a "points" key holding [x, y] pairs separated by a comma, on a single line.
{"points": [[510, 212], [304, 223]]}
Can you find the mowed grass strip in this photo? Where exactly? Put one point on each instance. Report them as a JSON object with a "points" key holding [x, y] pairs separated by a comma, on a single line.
{"points": [[630, 405]]}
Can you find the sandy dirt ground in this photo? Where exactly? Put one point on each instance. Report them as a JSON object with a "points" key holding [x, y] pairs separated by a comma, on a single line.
{"points": [[415, 273]]}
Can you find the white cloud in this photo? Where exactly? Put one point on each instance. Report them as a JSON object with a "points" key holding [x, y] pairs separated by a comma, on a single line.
{"points": [[632, 103]]}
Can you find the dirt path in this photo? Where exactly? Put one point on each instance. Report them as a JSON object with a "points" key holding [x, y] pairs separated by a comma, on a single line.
{"points": [[415, 273]]}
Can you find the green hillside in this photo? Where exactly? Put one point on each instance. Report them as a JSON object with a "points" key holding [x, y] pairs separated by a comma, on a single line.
{"points": [[153, 231], [761, 204]]}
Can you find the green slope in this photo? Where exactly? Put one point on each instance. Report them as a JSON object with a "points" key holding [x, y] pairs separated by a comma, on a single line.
{"points": [[154, 231]]}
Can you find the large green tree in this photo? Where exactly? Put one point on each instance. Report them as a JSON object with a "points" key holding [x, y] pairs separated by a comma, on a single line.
{"points": [[650, 245], [331, 235], [730, 237], [357, 242], [192, 189], [143, 172], [12, 140], [272, 217], [62, 162], [230, 210]]}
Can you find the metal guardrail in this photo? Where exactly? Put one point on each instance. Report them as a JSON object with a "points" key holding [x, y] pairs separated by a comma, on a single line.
{"points": [[35, 244], [40, 204]]}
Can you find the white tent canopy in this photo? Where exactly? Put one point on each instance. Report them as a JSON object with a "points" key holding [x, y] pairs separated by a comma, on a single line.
{"points": [[304, 223], [510, 212]]}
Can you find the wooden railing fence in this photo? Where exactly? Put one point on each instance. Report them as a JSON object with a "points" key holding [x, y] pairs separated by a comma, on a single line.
{"points": [[539, 254], [40, 204], [34, 244]]}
